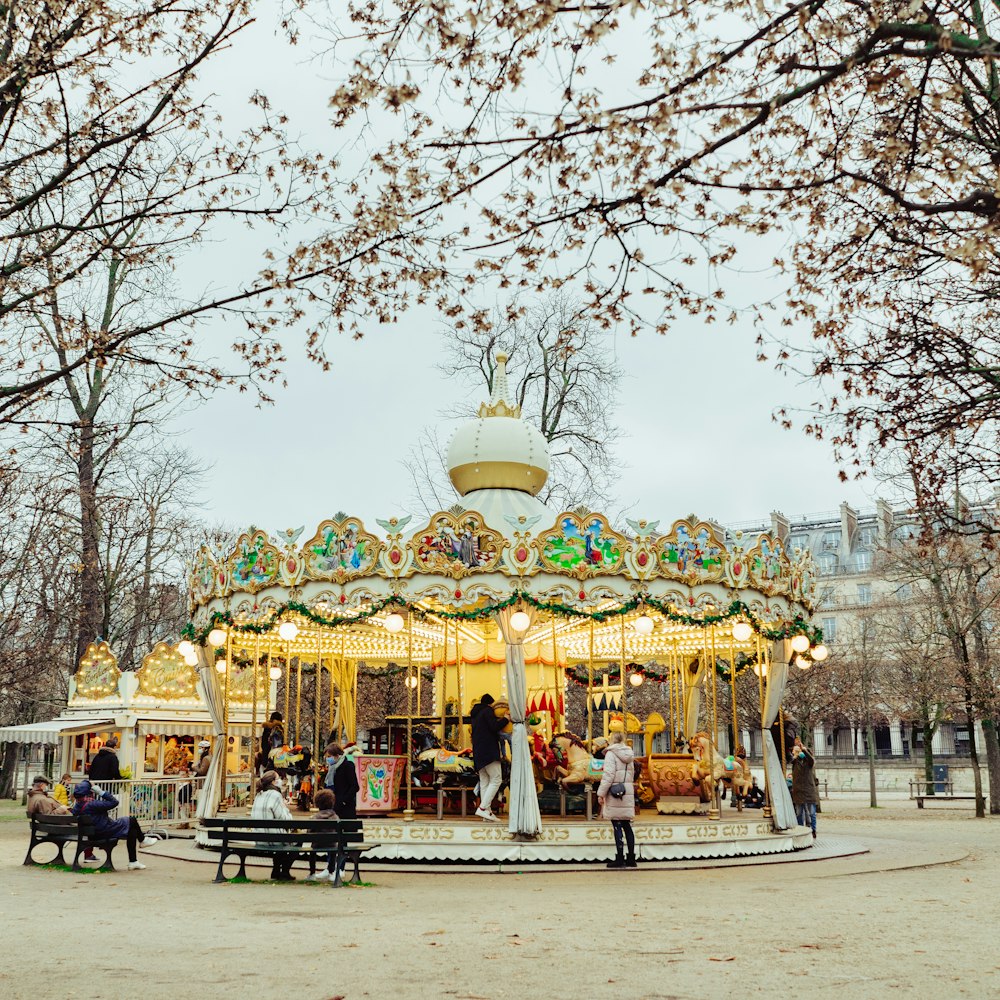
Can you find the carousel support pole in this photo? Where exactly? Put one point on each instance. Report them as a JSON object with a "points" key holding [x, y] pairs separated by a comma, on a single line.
{"points": [[732, 687], [461, 692], [671, 682], [253, 717], [318, 709], [781, 724], [767, 810], [298, 702], [623, 680], [556, 715], [443, 688], [408, 812], [590, 687], [715, 718], [225, 718], [288, 684]]}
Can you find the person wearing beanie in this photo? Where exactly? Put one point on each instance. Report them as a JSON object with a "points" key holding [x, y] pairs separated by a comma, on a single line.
{"points": [[95, 805], [104, 767], [486, 728]]}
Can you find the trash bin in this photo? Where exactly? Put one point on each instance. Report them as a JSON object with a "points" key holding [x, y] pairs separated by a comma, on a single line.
{"points": [[940, 779]]}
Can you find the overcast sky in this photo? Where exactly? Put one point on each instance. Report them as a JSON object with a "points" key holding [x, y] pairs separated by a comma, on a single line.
{"points": [[695, 405]]}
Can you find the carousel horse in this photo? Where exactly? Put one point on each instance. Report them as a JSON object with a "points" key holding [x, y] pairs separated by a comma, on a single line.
{"points": [[438, 765], [731, 771], [574, 763]]}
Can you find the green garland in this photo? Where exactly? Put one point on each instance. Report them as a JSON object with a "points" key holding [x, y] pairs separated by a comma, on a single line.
{"points": [[798, 625]]}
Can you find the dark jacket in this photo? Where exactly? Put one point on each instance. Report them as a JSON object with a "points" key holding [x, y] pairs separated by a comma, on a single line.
{"points": [[486, 728], [343, 781], [96, 810], [804, 788], [271, 736], [104, 767]]}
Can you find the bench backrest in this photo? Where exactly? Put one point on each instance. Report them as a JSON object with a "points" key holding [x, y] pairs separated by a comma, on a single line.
{"points": [[342, 832], [61, 825]]}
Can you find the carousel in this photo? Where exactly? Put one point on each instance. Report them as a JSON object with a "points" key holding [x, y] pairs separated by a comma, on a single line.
{"points": [[500, 594]]}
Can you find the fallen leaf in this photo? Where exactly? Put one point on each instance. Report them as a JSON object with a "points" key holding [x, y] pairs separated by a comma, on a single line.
{"points": [[730, 958]]}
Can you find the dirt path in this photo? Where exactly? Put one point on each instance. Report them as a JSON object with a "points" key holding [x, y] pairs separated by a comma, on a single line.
{"points": [[916, 917]]}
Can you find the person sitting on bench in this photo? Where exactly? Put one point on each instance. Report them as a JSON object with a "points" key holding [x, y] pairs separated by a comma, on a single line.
{"points": [[95, 807], [270, 804]]}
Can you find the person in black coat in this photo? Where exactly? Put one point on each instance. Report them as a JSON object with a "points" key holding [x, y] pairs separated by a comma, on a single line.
{"points": [[486, 728], [104, 767], [342, 780]]}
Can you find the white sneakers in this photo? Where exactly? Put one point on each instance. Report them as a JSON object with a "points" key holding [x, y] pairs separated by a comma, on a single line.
{"points": [[487, 816], [323, 876], [136, 866], [149, 841]]}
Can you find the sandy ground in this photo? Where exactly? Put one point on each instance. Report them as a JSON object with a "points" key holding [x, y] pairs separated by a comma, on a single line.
{"points": [[915, 917]]}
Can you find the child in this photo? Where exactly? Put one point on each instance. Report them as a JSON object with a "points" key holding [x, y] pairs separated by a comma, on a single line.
{"points": [[324, 802]]}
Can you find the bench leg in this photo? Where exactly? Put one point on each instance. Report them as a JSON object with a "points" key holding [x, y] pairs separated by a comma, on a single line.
{"points": [[920, 803], [218, 875], [338, 862], [109, 865], [355, 856]]}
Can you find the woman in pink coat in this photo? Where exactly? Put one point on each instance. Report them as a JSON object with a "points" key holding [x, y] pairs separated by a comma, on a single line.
{"points": [[619, 766]]}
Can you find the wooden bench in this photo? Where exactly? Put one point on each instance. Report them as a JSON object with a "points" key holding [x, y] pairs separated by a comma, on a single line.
{"points": [[61, 830], [301, 839], [944, 792], [939, 797]]}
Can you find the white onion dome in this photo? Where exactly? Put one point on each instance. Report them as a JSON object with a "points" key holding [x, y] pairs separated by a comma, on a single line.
{"points": [[497, 449]]}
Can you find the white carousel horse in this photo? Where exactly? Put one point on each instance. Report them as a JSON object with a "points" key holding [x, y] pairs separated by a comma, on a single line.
{"points": [[709, 763]]}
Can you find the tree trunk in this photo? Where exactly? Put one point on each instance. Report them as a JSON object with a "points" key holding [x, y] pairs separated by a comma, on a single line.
{"points": [[977, 773], [928, 730], [873, 798], [91, 621], [8, 771], [992, 762]]}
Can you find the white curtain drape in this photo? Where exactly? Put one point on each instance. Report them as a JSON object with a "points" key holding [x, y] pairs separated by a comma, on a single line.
{"points": [[774, 692], [525, 818], [211, 692]]}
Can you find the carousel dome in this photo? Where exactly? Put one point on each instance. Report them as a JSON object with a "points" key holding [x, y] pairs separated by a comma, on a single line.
{"points": [[497, 450]]}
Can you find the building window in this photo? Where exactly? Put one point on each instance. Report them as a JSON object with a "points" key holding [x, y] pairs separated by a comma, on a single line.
{"points": [[829, 627], [831, 540], [798, 542], [864, 593], [827, 563], [862, 561], [867, 536], [904, 533], [827, 597]]}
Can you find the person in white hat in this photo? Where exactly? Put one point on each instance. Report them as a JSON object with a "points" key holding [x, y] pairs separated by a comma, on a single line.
{"points": [[204, 761]]}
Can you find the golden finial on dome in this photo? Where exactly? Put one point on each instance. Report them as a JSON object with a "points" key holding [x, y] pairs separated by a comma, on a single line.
{"points": [[500, 404]]}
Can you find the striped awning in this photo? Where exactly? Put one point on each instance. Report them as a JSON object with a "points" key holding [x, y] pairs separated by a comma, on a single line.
{"points": [[187, 727], [52, 732]]}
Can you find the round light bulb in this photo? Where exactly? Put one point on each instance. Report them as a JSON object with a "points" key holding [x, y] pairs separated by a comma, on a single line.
{"points": [[760, 669], [820, 653], [191, 659], [288, 631], [802, 663], [220, 665], [394, 622], [217, 637], [411, 681], [636, 679], [742, 631], [274, 673], [519, 621], [643, 624], [185, 647], [800, 643]]}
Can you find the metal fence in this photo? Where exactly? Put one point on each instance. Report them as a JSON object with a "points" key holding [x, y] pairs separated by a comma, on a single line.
{"points": [[161, 803]]}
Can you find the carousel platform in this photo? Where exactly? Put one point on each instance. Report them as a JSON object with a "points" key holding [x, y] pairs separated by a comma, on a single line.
{"points": [[572, 841]]}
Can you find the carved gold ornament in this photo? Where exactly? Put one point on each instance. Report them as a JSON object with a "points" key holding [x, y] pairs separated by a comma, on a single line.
{"points": [[98, 675]]}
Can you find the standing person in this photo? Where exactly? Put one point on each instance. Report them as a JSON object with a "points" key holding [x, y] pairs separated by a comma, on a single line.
{"points": [[486, 755], [104, 767], [342, 780], [204, 761], [619, 768], [272, 737], [805, 790], [270, 804], [96, 809], [63, 791]]}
